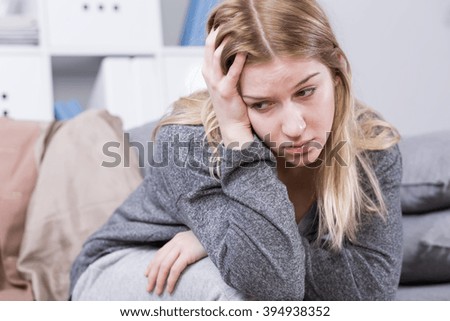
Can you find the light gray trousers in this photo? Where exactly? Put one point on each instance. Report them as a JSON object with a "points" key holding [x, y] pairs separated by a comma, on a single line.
{"points": [[119, 276]]}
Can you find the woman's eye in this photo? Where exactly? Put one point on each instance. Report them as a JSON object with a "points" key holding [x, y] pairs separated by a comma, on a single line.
{"points": [[261, 106], [306, 92]]}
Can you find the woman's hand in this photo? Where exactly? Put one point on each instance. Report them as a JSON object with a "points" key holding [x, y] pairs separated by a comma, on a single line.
{"points": [[230, 109], [171, 260]]}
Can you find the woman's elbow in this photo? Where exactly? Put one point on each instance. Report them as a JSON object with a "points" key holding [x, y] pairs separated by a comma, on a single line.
{"points": [[261, 276], [258, 272], [380, 288], [264, 285]]}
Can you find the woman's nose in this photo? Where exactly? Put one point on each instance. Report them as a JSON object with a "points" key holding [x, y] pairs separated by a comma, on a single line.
{"points": [[293, 123]]}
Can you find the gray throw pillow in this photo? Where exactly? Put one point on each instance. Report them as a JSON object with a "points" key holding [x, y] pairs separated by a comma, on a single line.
{"points": [[426, 250], [426, 173]]}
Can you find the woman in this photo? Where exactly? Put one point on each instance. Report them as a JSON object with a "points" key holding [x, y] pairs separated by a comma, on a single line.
{"points": [[276, 173]]}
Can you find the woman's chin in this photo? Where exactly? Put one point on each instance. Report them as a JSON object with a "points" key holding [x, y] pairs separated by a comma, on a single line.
{"points": [[310, 160]]}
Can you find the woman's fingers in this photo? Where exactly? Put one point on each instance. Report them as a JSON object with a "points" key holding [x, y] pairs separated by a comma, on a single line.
{"points": [[151, 274], [216, 69], [210, 48], [159, 271], [235, 71], [164, 270], [212, 70], [210, 41], [168, 274], [170, 261], [175, 272], [159, 256], [153, 267]]}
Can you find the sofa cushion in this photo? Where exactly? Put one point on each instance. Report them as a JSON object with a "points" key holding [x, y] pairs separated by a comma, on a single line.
{"points": [[425, 292], [140, 139], [18, 174], [426, 251], [426, 173]]}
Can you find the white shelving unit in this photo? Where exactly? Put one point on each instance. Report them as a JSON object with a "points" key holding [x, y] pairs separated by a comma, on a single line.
{"points": [[25, 77], [112, 54]]}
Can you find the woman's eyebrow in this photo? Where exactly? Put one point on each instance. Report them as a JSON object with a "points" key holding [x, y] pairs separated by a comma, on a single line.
{"points": [[306, 80], [297, 85]]}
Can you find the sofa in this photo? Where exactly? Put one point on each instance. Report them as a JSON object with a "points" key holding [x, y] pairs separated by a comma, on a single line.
{"points": [[64, 179], [425, 196]]}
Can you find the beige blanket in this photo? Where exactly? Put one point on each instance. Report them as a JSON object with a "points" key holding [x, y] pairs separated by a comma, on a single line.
{"points": [[74, 195]]}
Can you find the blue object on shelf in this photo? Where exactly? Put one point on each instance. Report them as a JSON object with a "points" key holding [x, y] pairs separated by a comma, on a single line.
{"points": [[65, 110], [194, 32]]}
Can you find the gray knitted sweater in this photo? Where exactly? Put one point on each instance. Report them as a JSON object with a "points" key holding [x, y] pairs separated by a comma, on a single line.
{"points": [[247, 225]]}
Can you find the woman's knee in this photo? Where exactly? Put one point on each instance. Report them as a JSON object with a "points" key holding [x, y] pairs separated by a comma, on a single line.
{"points": [[120, 276], [202, 281]]}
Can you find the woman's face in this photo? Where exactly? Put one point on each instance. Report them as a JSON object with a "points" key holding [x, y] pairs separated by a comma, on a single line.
{"points": [[291, 106]]}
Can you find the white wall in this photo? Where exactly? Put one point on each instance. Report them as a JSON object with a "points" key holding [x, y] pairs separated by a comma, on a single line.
{"points": [[399, 51]]}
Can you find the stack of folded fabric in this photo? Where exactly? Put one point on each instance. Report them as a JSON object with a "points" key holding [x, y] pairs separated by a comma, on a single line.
{"points": [[425, 193], [18, 30], [65, 110], [194, 31]]}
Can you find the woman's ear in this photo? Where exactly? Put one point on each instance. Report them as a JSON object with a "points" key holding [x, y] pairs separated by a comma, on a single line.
{"points": [[336, 76], [343, 68], [342, 62], [337, 79]]}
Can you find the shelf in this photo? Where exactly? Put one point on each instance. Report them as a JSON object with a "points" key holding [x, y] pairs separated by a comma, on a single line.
{"points": [[76, 65], [183, 51], [20, 50], [120, 51], [101, 51]]}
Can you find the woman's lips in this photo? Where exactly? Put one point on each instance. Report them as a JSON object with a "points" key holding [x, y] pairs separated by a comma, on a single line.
{"points": [[299, 149]]}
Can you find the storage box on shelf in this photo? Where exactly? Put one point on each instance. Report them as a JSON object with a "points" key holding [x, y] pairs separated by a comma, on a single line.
{"points": [[130, 88], [106, 27], [137, 88], [181, 72]]}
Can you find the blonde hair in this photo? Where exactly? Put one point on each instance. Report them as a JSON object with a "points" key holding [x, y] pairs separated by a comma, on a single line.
{"points": [[265, 29]]}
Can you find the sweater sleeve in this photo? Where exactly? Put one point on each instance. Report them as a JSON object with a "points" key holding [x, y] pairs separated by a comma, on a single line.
{"points": [[245, 220], [368, 269]]}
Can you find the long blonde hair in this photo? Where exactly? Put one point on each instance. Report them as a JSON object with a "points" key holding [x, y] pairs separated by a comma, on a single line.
{"points": [[265, 29]]}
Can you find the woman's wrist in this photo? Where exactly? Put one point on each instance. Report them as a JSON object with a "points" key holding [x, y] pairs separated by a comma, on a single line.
{"points": [[237, 137]]}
